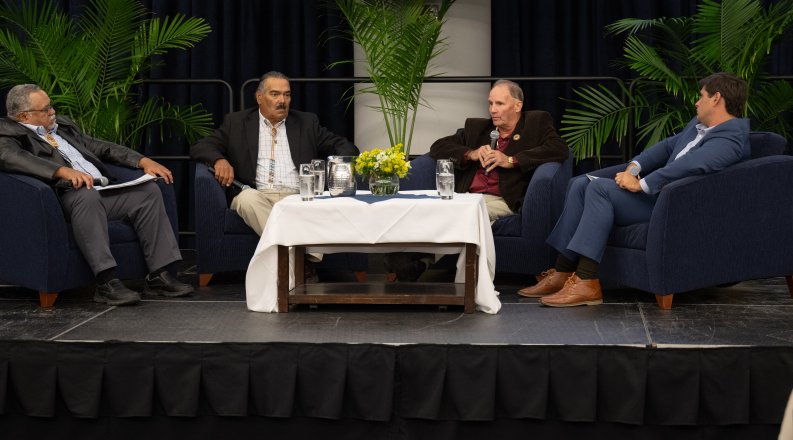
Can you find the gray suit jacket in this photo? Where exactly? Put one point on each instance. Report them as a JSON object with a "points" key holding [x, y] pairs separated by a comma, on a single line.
{"points": [[237, 140], [22, 151]]}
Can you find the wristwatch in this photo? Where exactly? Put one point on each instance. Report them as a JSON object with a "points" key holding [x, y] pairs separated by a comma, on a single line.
{"points": [[509, 160], [634, 171]]}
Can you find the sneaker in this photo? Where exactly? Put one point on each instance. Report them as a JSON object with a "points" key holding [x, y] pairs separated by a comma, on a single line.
{"points": [[165, 284], [115, 293]]}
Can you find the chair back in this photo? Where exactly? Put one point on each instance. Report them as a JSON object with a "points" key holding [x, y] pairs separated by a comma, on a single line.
{"points": [[766, 143]]}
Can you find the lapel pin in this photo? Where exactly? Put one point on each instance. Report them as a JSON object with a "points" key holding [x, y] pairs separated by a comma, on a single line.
{"points": [[516, 137]]}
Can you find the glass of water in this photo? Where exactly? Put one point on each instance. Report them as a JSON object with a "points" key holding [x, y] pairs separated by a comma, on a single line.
{"points": [[306, 176], [444, 178], [319, 175]]}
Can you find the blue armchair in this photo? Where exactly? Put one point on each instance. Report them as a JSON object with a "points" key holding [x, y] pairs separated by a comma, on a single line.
{"points": [[519, 238], [225, 243], [39, 251], [722, 228]]}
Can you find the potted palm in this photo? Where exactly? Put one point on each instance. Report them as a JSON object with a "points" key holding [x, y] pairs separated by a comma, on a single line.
{"points": [[399, 39], [92, 66], [669, 56]]}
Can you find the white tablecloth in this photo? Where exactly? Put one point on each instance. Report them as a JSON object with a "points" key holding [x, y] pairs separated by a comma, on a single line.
{"points": [[412, 216]]}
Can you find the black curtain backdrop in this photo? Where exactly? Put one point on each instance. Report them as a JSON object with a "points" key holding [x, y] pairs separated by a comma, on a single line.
{"points": [[250, 37]]}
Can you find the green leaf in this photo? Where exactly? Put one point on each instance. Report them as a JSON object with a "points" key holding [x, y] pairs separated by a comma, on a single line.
{"points": [[396, 66], [92, 66]]}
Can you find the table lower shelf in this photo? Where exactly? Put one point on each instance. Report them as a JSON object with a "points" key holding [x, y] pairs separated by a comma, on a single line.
{"points": [[379, 293], [376, 293]]}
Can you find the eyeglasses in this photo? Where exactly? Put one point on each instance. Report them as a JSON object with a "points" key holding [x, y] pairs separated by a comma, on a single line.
{"points": [[45, 110]]}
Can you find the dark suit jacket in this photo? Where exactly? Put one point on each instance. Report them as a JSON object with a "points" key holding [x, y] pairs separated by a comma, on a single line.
{"points": [[237, 140], [538, 143], [23, 151]]}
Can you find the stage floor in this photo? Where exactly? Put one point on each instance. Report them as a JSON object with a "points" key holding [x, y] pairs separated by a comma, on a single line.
{"points": [[752, 313]]}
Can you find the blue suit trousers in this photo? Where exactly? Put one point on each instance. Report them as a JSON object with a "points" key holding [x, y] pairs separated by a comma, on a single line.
{"points": [[591, 210]]}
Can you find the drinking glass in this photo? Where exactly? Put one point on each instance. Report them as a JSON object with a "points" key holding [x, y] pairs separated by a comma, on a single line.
{"points": [[306, 177], [444, 178], [319, 175]]}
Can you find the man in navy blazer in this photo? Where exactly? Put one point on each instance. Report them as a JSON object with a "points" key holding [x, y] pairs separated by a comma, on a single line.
{"points": [[717, 138], [262, 146]]}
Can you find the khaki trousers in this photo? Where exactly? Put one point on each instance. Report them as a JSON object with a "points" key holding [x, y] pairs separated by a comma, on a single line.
{"points": [[496, 207], [255, 206]]}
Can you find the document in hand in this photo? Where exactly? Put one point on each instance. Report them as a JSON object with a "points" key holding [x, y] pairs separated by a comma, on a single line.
{"points": [[142, 179]]}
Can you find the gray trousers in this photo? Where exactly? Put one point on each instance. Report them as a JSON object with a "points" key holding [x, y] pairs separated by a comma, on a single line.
{"points": [[140, 205]]}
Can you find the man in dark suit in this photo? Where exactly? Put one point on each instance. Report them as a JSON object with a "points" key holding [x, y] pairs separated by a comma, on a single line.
{"points": [[262, 147], [33, 140], [715, 139], [499, 167]]}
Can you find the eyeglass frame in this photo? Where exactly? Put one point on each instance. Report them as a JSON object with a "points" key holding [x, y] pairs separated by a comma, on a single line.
{"points": [[45, 109]]}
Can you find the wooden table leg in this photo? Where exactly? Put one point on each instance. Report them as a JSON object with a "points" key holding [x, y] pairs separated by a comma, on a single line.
{"points": [[300, 268], [283, 279], [470, 277]]}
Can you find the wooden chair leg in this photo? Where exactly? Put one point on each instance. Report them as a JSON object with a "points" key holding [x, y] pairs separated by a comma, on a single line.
{"points": [[361, 276], [204, 278], [47, 299], [789, 280], [664, 301]]}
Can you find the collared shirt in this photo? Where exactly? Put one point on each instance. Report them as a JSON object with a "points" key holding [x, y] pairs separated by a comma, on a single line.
{"points": [[274, 166], [75, 159], [487, 183], [702, 130]]}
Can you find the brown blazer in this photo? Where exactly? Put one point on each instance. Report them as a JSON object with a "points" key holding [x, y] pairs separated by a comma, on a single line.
{"points": [[537, 143]]}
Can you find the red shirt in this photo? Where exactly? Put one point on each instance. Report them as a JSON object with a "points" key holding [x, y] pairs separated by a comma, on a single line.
{"points": [[488, 183]]}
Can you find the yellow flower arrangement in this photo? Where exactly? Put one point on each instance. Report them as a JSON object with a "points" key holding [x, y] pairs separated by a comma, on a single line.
{"points": [[383, 163]]}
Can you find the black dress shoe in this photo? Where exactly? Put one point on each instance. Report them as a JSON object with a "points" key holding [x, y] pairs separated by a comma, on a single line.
{"points": [[115, 293], [165, 284], [407, 266], [310, 272]]}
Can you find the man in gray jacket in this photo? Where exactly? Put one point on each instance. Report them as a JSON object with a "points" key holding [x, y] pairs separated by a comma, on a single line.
{"points": [[34, 141]]}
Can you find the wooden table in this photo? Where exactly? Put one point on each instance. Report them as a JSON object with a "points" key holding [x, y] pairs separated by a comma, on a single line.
{"points": [[375, 293]]}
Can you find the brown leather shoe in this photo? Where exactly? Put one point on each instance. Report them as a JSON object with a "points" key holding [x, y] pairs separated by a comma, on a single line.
{"points": [[576, 292], [551, 282]]}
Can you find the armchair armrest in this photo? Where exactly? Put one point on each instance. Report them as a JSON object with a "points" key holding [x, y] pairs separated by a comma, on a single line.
{"points": [[33, 232], [724, 223], [546, 191], [537, 211], [210, 206]]}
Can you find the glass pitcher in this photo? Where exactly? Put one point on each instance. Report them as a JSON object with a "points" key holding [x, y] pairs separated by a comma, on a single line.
{"points": [[341, 176]]}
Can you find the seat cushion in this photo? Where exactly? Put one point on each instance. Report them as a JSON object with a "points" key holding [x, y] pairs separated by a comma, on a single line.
{"points": [[508, 226], [632, 236]]}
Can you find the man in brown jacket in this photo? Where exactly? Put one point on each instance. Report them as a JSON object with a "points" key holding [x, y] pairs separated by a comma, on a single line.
{"points": [[495, 157], [500, 167]]}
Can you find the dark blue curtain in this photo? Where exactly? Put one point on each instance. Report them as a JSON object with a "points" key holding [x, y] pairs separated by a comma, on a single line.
{"points": [[567, 38], [250, 37]]}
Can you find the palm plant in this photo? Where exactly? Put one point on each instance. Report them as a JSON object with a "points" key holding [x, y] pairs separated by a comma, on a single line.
{"points": [[669, 56], [399, 38], [92, 66]]}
